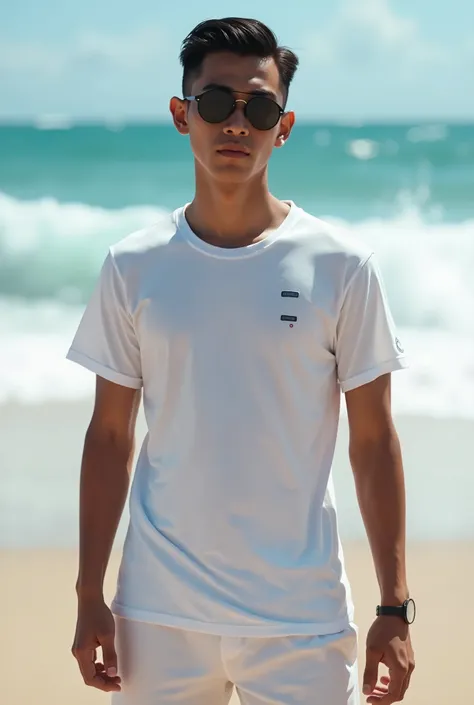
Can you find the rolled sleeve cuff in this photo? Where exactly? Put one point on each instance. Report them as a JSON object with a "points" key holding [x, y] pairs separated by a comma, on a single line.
{"points": [[103, 371], [398, 363]]}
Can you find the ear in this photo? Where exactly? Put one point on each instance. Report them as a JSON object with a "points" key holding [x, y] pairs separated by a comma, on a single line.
{"points": [[286, 125], [179, 112]]}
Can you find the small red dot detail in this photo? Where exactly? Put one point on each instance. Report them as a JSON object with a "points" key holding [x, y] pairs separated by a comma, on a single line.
{"points": [[291, 325]]}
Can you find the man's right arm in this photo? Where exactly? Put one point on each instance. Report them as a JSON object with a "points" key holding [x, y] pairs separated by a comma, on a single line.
{"points": [[105, 476]]}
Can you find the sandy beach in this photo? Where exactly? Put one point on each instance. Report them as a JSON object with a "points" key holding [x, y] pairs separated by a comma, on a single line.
{"points": [[37, 594], [38, 557]]}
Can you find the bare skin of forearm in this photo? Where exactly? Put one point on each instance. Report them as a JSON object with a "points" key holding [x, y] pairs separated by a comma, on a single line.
{"points": [[105, 479], [380, 486]]}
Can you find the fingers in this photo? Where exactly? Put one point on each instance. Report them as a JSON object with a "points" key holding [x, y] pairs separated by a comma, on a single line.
{"points": [[371, 673], [93, 673], [392, 690], [109, 654], [377, 694], [399, 682], [406, 684], [86, 661], [379, 691], [395, 688], [104, 682]]}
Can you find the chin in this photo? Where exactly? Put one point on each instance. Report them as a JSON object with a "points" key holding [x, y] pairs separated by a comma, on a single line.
{"points": [[231, 174], [226, 172]]}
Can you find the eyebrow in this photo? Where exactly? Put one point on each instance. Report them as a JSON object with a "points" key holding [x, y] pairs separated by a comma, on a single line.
{"points": [[257, 91]]}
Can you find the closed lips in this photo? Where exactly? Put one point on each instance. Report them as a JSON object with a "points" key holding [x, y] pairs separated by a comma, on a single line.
{"points": [[233, 148]]}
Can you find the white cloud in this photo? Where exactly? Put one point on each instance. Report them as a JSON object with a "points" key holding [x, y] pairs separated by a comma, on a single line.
{"points": [[136, 50], [370, 61], [367, 59], [369, 32], [132, 51]]}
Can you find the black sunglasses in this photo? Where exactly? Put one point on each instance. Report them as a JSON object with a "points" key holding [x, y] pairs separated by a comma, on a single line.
{"points": [[217, 104]]}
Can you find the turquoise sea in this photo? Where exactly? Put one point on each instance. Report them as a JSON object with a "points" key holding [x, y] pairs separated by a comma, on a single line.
{"points": [[74, 190], [350, 171], [67, 191]]}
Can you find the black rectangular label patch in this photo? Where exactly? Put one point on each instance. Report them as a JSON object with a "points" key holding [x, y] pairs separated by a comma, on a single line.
{"points": [[288, 318], [290, 294]]}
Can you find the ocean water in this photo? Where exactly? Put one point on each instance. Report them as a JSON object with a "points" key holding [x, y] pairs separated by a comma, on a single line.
{"points": [[68, 191]]}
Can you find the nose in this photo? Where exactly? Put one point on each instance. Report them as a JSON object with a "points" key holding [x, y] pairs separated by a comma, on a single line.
{"points": [[236, 124]]}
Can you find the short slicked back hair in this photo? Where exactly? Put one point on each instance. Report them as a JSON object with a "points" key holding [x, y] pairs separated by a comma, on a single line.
{"points": [[244, 37]]}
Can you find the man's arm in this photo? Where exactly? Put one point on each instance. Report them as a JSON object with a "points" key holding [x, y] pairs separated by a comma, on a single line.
{"points": [[105, 475], [376, 460], [375, 455]]}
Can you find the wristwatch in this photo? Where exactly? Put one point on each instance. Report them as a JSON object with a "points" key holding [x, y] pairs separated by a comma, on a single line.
{"points": [[407, 611]]}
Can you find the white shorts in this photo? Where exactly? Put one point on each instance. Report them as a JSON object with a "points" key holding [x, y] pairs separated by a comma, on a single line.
{"points": [[162, 665]]}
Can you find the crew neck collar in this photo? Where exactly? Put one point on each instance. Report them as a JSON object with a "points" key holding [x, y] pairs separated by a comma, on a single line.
{"points": [[234, 252]]}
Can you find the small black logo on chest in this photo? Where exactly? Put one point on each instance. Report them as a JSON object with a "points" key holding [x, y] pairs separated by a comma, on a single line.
{"points": [[290, 294], [288, 318]]}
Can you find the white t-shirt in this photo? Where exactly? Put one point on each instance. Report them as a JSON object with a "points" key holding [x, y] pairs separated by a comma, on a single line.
{"points": [[242, 354]]}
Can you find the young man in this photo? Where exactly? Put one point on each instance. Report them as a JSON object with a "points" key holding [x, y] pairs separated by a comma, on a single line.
{"points": [[242, 318]]}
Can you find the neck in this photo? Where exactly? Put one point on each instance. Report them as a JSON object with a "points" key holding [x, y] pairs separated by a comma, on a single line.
{"points": [[234, 215]]}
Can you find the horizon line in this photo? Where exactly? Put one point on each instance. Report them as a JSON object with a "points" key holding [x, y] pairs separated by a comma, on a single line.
{"points": [[63, 121]]}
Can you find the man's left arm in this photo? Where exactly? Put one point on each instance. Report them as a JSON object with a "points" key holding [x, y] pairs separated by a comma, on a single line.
{"points": [[376, 460]]}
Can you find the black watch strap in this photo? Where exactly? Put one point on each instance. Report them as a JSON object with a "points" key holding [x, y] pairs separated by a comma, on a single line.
{"points": [[390, 611], [407, 611]]}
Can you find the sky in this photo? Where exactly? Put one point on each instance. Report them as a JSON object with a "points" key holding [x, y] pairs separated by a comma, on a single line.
{"points": [[359, 59]]}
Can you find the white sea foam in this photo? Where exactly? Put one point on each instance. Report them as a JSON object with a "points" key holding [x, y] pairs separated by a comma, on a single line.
{"points": [[52, 252], [428, 133], [363, 149], [53, 122]]}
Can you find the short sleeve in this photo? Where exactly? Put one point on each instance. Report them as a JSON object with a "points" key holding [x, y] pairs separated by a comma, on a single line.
{"points": [[105, 341], [367, 345]]}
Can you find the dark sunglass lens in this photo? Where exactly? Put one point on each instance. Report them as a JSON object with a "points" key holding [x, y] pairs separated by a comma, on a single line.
{"points": [[215, 105], [263, 113]]}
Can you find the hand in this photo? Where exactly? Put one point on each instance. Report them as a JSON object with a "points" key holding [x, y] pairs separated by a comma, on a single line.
{"points": [[96, 628], [388, 642]]}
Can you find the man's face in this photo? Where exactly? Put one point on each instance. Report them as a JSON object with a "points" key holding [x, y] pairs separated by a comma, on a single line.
{"points": [[243, 76]]}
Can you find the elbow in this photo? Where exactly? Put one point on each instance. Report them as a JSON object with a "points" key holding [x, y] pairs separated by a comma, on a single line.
{"points": [[109, 442], [375, 450]]}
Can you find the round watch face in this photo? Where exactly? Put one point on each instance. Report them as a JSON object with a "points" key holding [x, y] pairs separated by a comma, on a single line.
{"points": [[410, 611]]}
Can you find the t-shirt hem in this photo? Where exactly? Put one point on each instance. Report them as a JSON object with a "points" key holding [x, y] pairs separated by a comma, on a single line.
{"points": [[398, 363], [261, 630], [103, 371]]}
